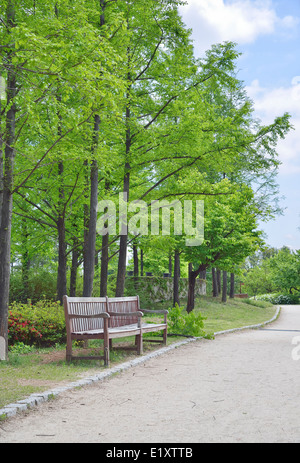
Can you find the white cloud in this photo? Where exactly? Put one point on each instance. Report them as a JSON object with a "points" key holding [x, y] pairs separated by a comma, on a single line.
{"points": [[290, 237], [245, 21], [296, 80], [271, 103], [290, 22], [241, 21]]}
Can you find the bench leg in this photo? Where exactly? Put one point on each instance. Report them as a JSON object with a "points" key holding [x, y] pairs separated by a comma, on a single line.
{"points": [[106, 352], [165, 333], [106, 356], [106, 342], [139, 343], [69, 351]]}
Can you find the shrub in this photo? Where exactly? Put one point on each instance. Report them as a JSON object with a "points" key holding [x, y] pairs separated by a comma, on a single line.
{"points": [[277, 298], [21, 329], [41, 284], [187, 324], [42, 324], [286, 299], [21, 348], [265, 297]]}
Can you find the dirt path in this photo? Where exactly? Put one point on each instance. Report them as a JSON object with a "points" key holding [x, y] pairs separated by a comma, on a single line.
{"points": [[241, 387]]}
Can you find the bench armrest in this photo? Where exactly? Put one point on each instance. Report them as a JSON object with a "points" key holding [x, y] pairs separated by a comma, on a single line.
{"points": [[126, 314], [155, 311]]}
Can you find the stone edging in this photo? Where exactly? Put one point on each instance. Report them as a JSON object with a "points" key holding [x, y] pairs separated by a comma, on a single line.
{"points": [[38, 398]]}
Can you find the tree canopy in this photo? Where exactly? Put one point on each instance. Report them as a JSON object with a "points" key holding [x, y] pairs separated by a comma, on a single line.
{"points": [[102, 99]]}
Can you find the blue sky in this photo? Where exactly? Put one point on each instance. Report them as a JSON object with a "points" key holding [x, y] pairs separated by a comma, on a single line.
{"points": [[268, 36]]}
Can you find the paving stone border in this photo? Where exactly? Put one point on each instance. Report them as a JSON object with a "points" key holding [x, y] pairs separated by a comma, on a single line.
{"points": [[38, 398]]}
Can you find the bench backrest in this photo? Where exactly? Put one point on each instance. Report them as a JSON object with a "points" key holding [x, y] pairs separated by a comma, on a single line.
{"points": [[123, 305], [84, 306]]}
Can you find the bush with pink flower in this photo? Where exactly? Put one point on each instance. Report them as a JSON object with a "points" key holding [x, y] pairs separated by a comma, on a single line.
{"points": [[42, 324]]}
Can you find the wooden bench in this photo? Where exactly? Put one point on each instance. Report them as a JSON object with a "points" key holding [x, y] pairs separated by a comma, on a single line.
{"points": [[108, 318]]}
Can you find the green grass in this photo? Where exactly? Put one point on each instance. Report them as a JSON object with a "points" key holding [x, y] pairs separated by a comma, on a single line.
{"points": [[236, 313], [23, 375], [41, 370]]}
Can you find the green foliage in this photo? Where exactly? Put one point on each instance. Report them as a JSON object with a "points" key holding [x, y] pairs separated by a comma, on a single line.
{"points": [[277, 298], [259, 280], [183, 323], [258, 303], [21, 348], [285, 270], [41, 325], [41, 283], [276, 271], [286, 299]]}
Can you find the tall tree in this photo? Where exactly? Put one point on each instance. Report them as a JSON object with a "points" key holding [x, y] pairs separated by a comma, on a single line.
{"points": [[230, 235], [40, 62], [9, 138], [90, 235], [157, 37]]}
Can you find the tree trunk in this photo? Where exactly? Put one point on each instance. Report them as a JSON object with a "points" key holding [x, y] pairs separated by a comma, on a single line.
{"points": [[25, 261], [7, 198], [5, 242], [170, 265], [104, 255], [121, 267], [90, 245], [124, 236], [104, 266], [191, 290], [142, 263], [214, 282], [1, 160], [61, 232], [192, 282], [135, 261], [73, 275], [91, 221], [62, 246], [61, 286], [86, 210], [62, 260], [102, 12], [224, 287], [219, 281], [232, 285], [176, 276], [202, 275]]}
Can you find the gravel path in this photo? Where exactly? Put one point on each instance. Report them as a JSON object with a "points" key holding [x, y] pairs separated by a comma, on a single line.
{"points": [[240, 387]]}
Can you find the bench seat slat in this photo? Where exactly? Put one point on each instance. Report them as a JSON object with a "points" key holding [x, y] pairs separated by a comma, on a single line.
{"points": [[121, 329], [87, 332], [147, 327]]}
